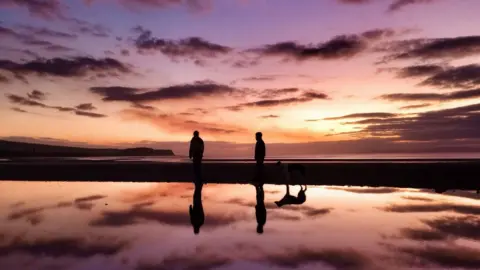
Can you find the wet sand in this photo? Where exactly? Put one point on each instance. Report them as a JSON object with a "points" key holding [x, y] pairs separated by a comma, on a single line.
{"points": [[434, 175]]}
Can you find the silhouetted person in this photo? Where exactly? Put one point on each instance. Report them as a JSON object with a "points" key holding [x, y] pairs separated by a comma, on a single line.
{"points": [[260, 152], [197, 216], [196, 154], [289, 199], [260, 209], [288, 169]]}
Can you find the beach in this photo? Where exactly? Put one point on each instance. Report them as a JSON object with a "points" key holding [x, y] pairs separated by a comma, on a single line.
{"points": [[438, 175]]}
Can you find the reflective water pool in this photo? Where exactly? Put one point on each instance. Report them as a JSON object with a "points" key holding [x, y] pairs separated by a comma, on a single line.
{"points": [[143, 226]]}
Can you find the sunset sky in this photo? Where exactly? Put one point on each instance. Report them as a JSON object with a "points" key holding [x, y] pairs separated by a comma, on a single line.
{"points": [[378, 75]]}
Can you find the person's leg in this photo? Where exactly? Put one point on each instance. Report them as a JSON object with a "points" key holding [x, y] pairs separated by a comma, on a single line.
{"points": [[197, 170]]}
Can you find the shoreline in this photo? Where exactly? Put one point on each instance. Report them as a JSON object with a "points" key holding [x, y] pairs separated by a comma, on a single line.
{"points": [[433, 175]]}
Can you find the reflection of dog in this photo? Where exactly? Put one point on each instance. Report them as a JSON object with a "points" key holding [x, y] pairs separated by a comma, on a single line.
{"points": [[289, 199]]}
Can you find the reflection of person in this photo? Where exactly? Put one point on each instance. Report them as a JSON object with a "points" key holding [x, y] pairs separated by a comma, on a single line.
{"points": [[290, 199], [260, 209], [260, 152], [196, 154], [197, 216]]}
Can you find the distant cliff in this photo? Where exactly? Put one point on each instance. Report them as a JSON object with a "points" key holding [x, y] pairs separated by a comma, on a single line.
{"points": [[20, 149]]}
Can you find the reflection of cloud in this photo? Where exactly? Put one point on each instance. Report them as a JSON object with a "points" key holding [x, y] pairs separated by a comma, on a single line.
{"points": [[437, 207], [60, 247], [464, 226], [338, 258], [156, 192], [284, 212], [84, 206], [380, 190], [25, 213], [416, 198], [448, 257], [89, 198], [198, 261], [422, 234], [137, 215], [34, 214]]}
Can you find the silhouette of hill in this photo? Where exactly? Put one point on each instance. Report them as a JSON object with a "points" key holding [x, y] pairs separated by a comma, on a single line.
{"points": [[20, 149]]}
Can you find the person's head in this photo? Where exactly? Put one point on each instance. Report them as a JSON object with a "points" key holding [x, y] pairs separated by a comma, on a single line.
{"points": [[258, 136], [259, 229], [196, 133]]}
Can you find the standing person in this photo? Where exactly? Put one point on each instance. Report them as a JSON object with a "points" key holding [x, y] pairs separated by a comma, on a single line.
{"points": [[260, 152], [196, 154]]}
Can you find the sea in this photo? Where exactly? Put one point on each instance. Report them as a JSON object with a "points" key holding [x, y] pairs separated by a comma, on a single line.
{"points": [[172, 226], [321, 158]]}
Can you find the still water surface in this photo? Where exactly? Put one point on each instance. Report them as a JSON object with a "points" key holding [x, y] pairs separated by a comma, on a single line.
{"points": [[145, 226]]}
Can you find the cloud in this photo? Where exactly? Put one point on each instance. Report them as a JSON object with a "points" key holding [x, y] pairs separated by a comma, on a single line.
{"points": [[445, 256], [16, 109], [419, 71], [363, 115], [306, 96], [85, 107], [340, 47], [460, 226], [177, 124], [354, 1], [447, 124], [183, 91], [15, 99], [457, 77], [46, 32], [139, 5], [399, 4], [45, 9], [88, 28], [90, 114], [143, 107], [422, 234], [24, 101], [193, 48], [437, 207], [269, 116], [260, 78], [377, 34], [37, 95], [125, 52], [76, 67], [431, 49], [337, 258], [415, 106], [458, 95], [27, 38], [4, 79], [63, 247], [273, 93]]}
